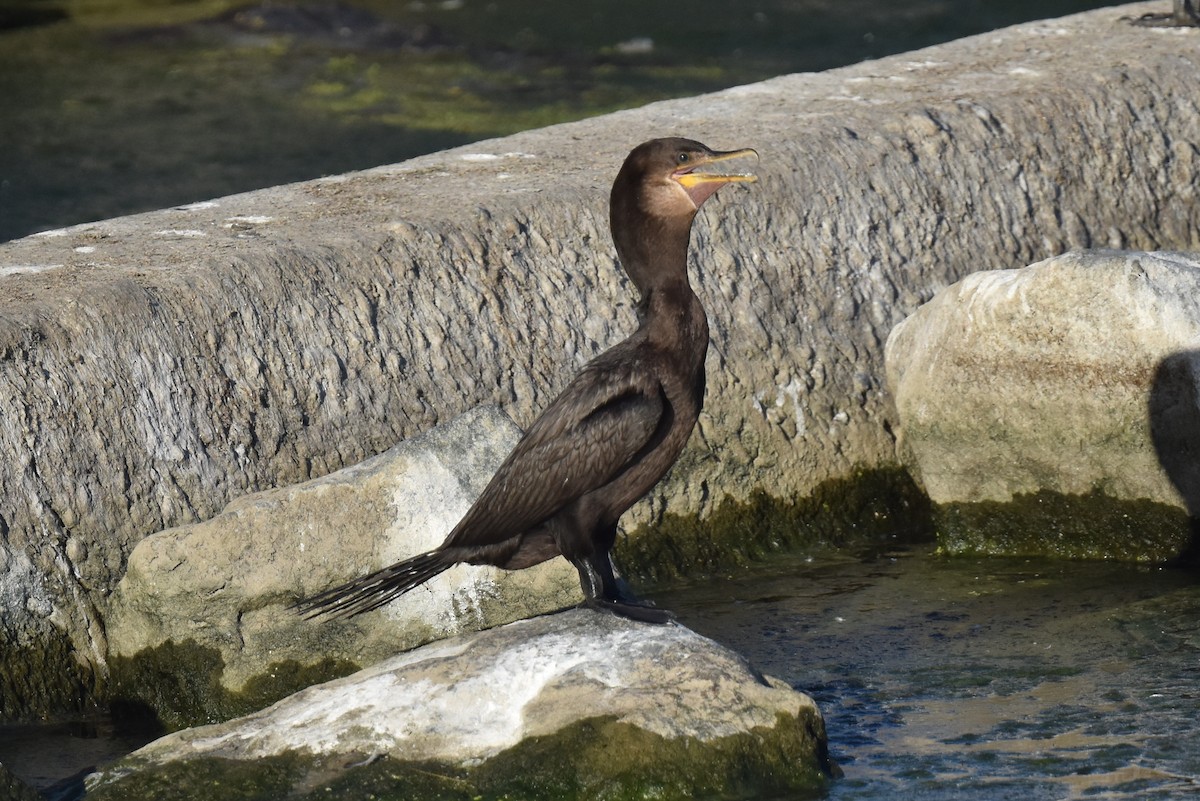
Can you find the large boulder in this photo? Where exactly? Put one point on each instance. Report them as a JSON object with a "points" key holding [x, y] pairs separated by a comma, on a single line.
{"points": [[200, 626], [1055, 408], [577, 705]]}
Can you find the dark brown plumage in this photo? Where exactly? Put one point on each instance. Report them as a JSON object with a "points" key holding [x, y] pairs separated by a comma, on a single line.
{"points": [[617, 427]]}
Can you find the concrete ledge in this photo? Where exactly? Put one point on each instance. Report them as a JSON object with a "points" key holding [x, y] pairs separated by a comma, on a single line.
{"points": [[154, 367]]}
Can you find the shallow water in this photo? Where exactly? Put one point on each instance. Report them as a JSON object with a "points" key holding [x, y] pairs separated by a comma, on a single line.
{"points": [[987, 679], [978, 678], [52, 757]]}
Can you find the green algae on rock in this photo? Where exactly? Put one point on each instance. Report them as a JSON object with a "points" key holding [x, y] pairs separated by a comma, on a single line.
{"points": [[180, 683], [205, 779], [34, 684], [598, 759], [869, 508], [1058, 525], [606, 759]]}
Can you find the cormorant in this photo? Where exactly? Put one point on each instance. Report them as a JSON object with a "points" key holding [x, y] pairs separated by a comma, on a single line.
{"points": [[616, 428]]}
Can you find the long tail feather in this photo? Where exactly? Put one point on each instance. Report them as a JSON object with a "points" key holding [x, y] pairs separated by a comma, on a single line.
{"points": [[374, 590]]}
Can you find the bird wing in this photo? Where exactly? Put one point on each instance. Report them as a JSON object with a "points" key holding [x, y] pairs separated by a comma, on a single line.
{"points": [[591, 432]]}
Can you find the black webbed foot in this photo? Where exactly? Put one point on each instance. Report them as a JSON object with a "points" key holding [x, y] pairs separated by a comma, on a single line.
{"points": [[604, 591], [640, 612]]}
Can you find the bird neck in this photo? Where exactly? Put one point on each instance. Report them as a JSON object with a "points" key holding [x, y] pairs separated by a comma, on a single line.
{"points": [[654, 256], [672, 319]]}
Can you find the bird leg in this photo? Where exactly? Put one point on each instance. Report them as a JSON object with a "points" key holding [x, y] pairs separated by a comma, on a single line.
{"points": [[603, 590]]}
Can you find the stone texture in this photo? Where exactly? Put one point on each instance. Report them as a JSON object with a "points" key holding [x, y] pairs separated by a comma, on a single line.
{"points": [[155, 367], [1076, 376], [467, 705], [226, 584]]}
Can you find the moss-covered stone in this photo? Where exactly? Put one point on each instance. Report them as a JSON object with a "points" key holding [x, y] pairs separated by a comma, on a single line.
{"points": [[870, 507], [591, 760], [1051, 524], [34, 683], [180, 683], [604, 759], [207, 778]]}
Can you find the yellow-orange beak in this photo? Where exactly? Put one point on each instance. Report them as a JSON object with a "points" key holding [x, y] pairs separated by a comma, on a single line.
{"points": [[700, 185]]}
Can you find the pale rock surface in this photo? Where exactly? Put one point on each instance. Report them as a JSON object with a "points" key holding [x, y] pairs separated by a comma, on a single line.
{"points": [[227, 583], [1077, 374], [466, 700]]}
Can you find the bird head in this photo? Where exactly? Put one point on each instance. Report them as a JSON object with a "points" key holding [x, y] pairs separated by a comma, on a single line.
{"points": [[673, 177], [656, 195]]}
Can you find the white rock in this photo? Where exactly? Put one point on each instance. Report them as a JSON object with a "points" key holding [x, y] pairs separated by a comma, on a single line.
{"points": [[463, 701], [1079, 375], [226, 583]]}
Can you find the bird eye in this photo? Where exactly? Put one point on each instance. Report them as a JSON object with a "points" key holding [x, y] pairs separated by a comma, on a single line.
{"points": [[683, 158]]}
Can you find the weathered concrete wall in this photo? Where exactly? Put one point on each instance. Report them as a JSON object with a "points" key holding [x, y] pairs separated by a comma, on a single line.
{"points": [[154, 367]]}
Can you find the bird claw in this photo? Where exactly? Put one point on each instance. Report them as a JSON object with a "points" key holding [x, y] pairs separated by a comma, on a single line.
{"points": [[641, 611]]}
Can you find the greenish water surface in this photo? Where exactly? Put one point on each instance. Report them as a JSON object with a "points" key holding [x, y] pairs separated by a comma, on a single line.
{"points": [[989, 679], [115, 106]]}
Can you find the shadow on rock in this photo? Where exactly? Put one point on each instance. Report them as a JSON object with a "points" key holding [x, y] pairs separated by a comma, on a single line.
{"points": [[1175, 430]]}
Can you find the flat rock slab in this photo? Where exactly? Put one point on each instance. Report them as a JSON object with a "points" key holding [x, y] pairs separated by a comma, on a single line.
{"points": [[580, 704], [1054, 408], [207, 605]]}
